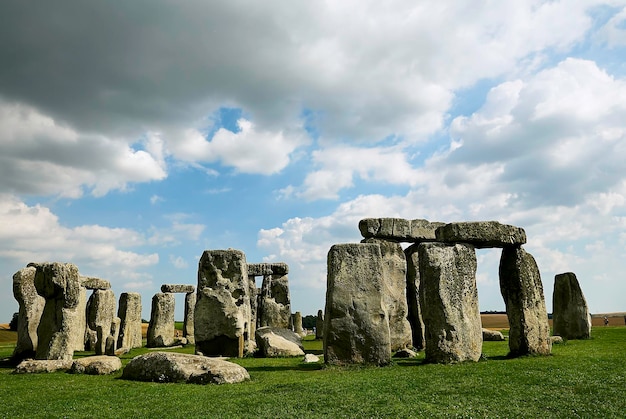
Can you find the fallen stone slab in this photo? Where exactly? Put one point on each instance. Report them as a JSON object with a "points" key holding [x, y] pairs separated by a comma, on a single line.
{"points": [[492, 335], [482, 234], [405, 353], [178, 288], [96, 365], [274, 342], [165, 367], [35, 366], [92, 283]]}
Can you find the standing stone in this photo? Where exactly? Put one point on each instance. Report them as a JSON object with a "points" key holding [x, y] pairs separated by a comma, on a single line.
{"points": [[356, 326], [100, 314], [394, 292], [253, 293], [521, 288], [275, 301], [31, 307], [453, 329], [297, 324], [222, 315], [570, 314], [80, 313], [59, 284], [319, 325], [129, 312], [161, 327], [190, 307], [413, 296]]}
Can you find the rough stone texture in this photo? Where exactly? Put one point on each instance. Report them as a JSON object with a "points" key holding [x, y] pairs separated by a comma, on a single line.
{"points": [[96, 365], [80, 313], [161, 328], [100, 314], [311, 359], [453, 331], [164, 367], [394, 292], [223, 314], [274, 308], [60, 324], [319, 325], [297, 324], [92, 283], [521, 288], [274, 342], [35, 366], [555, 340], [254, 293], [399, 229], [31, 307], [570, 314], [413, 296], [492, 335], [482, 234], [356, 326], [178, 288], [190, 307], [129, 312], [405, 353], [262, 269]]}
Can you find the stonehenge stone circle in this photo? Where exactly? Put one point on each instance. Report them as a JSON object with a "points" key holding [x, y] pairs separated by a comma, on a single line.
{"points": [[164, 367], [570, 314], [394, 292], [31, 307], [356, 326], [60, 324], [223, 313], [129, 312], [161, 327], [521, 288], [453, 328]]}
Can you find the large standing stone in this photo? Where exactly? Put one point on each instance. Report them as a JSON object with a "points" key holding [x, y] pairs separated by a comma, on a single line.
{"points": [[413, 296], [31, 307], [222, 315], [275, 302], [129, 312], [297, 324], [453, 329], [100, 314], [161, 327], [190, 308], [394, 292], [319, 325], [482, 234], [59, 284], [521, 288], [356, 326], [570, 314]]}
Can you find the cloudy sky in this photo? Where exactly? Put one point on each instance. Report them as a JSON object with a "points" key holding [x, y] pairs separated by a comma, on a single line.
{"points": [[136, 134]]}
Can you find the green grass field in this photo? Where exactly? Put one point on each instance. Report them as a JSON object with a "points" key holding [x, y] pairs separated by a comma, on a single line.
{"points": [[581, 379]]}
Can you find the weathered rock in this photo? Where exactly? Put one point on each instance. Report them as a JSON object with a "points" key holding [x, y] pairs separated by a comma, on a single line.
{"points": [[492, 335], [274, 308], [161, 327], [35, 366], [80, 320], [262, 269], [60, 324], [413, 296], [274, 342], [178, 288], [31, 307], [190, 307], [164, 367], [399, 229], [453, 331], [96, 365], [394, 292], [405, 353], [555, 340], [129, 312], [92, 283], [311, 359], [297, 324], [319, 325], [100, 314], [482, 234], [356, 326], [222, 314], [570, 314], [521, 288]]}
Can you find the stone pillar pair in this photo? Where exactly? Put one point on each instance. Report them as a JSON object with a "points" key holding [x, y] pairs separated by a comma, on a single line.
{"points": [[161, 329]]}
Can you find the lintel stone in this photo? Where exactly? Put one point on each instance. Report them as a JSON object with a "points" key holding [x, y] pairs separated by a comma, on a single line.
{"points": [[178, 288], [482, 234]]}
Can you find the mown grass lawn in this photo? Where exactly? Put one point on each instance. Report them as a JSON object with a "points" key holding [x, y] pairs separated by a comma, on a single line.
{"points": [[581, 379]]}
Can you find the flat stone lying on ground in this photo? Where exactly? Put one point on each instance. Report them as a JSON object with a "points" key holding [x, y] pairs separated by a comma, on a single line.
{"points": [[482, 234], [96, 365], [399, 229], [178, 288], [311, 359], [492, 335], [164, 367], [35, 366], [274, 342]]}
